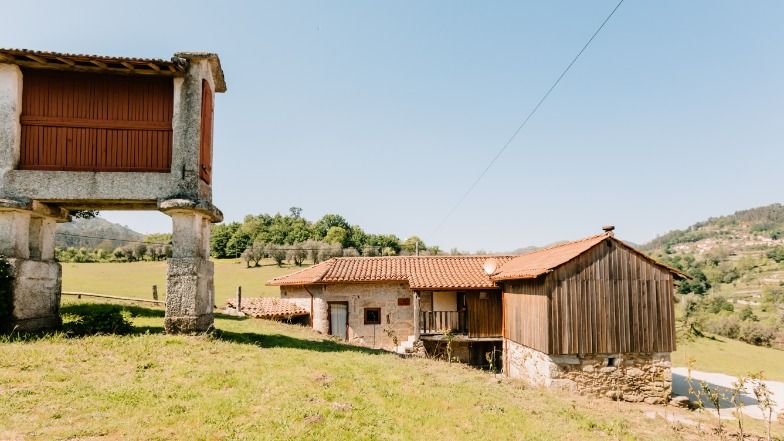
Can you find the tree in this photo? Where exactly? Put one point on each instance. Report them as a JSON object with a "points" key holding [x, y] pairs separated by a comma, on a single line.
{"points": [[328, 251], [295, 212], [312, 247], [277, 253], [337, 235], [139, 250], [323, 225], [412, 244], [254, 253], [297, 254], [350, 252], [238, 243], [219, 238], [357, 238]]}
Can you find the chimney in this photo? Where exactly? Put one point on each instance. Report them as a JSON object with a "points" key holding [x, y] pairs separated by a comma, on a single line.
{"points": [[609, 229]]}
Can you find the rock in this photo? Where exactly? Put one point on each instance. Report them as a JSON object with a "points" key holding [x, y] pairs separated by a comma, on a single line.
{"points": [[588, 368], [634, 372], [680, 401], [613, 395], [608, 369], [654, 400]]}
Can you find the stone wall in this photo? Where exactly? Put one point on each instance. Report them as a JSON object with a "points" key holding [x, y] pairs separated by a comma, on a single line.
{"points": [[628, 377], [397, 322]]}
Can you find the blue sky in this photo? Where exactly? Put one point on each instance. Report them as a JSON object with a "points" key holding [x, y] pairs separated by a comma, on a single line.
{"points": [[386, 112]]}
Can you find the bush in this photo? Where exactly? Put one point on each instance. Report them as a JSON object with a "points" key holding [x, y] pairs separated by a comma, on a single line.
{"points": [[757, 333], [724, 325], [106, 321], [715, 304]]}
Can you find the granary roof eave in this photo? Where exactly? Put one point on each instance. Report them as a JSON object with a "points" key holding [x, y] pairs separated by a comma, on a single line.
{"points": [[91, 63]]}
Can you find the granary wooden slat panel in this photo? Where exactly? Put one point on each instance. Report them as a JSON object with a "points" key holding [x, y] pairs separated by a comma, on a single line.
{"points": [[92, 122]]}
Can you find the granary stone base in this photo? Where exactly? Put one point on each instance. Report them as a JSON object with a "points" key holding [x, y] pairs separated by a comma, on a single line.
{"points": [[36, 289], [627, 377], [189, 295]]}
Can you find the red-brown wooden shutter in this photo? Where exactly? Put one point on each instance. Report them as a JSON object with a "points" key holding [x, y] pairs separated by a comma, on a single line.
{"points": [[96, 122], [205, 151]]}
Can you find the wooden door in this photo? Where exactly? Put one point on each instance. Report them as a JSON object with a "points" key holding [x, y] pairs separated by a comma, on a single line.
{"points": [[338, 319]]}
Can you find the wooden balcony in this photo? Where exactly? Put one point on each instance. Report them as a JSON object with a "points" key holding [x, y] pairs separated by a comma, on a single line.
{"points": [[441, 322]]}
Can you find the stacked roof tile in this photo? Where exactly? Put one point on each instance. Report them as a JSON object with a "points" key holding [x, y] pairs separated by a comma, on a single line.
{"points": [[268, 307]]}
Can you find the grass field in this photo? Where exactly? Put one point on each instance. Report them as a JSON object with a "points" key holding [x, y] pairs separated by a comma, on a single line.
{"points": [[730, 357], [255, 379], [136, 279]]}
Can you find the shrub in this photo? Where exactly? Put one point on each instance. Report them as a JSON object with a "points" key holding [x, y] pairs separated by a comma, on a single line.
{"points": [[106, 321], [757, 333], [724, 325], [748, 314], [297, 254], [277, 253], [715, 304]]}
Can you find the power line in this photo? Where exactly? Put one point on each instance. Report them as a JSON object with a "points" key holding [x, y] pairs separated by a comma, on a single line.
{"points": [[527, 118]]}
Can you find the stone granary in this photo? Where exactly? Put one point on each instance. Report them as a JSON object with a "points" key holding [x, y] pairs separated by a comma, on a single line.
{"points": [[86, 132]]}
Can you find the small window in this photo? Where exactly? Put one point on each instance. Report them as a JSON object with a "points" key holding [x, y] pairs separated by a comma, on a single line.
{"points": [[372, 316], [483, 295], [612, 362]]}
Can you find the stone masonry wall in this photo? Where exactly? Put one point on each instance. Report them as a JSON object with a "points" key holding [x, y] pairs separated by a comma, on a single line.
{"points": [[628, 377], [396, 321]]}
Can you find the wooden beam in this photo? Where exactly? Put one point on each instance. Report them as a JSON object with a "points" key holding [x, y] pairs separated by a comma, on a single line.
{"points": [[37, 58], [128, 65], [154, 67], [100, 64], [171, 68], [65, 60], [6, 57], [80, 68]]}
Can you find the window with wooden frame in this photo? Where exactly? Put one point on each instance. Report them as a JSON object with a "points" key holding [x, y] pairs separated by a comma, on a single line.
{"points": [[205, 150], [372, 316]]}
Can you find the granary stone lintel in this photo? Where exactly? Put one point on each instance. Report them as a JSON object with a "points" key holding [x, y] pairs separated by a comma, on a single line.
{"points": [[36, 209], [203, 207]]}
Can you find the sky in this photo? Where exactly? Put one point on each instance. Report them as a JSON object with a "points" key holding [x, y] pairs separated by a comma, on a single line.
{"points": [[386, 112]]}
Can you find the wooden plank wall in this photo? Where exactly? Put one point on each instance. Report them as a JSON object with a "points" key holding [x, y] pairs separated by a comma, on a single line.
{"points": [[484, 315], [611, 300], [96, 122], [205, 149], [526, 305]]}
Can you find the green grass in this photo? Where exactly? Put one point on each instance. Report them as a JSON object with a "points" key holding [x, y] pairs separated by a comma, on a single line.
{"points": [[136, 279], [730, 357], [255, 379]]}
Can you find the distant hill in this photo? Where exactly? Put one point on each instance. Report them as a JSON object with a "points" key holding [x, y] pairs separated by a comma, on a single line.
{"points": [[744, 230], [100, 234]]}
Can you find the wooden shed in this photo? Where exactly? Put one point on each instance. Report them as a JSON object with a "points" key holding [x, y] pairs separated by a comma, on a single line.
{"points": [[587, 308]]}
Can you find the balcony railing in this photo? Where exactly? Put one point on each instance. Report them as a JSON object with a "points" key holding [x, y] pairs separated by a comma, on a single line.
{"points": [[439, 322]]}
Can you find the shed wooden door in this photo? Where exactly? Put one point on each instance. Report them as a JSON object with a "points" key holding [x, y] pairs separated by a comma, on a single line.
{"points": [[205, 150], [96, 122]]}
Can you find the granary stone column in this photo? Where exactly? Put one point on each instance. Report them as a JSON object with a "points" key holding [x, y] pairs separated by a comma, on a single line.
{"points": [[27, 240], [190, 289]]}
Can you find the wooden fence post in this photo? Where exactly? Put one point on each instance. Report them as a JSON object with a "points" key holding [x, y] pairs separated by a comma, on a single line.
{"points": [[155, 292], [239, 299]]}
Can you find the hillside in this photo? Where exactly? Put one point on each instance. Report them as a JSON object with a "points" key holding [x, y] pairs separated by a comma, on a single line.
{"points": [[255, 379], [101, 234], [737, 267]]}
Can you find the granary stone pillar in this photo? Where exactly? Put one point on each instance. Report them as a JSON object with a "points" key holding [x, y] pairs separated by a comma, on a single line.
{"points": [[27, 240], [190, 289]]}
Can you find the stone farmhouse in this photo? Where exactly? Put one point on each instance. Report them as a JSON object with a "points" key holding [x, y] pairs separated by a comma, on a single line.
{"points": [[593, 315]]}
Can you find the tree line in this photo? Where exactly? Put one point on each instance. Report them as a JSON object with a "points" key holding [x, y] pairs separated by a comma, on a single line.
{"points": [[293, 238]]}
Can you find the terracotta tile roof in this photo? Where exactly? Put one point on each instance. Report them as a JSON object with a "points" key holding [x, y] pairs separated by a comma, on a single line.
{"points": [[268, 307], [420, 272], [542, 261]]}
